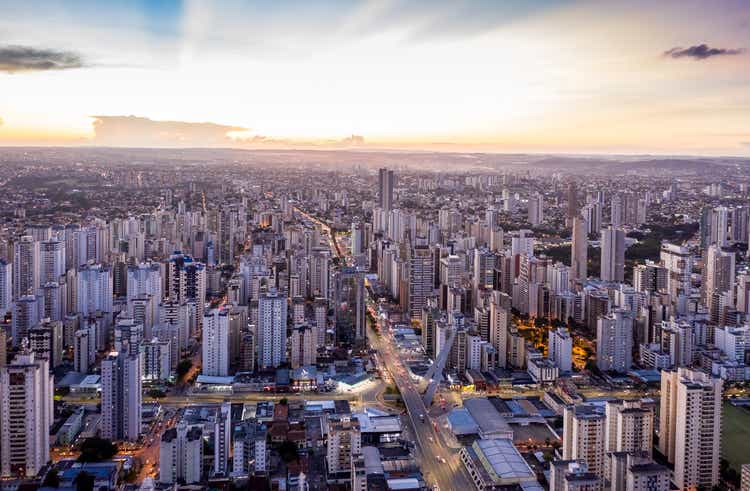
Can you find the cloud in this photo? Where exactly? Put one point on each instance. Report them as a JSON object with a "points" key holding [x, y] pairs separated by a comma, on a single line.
{"points": [[144, 132], [700, 52], [258, 141], [134, 131], [14, 58]]}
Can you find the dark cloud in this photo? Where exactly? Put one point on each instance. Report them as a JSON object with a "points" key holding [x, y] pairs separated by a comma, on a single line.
{"points": [[144, 132], [700, 52], [15, 58]]}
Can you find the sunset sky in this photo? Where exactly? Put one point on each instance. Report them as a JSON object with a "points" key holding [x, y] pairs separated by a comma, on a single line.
{"points": [[536, 76]]}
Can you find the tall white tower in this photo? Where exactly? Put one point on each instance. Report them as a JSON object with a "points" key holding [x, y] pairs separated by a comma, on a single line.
{"points": [[272, 314], [121, 396], [25, 414], [216, 343]]}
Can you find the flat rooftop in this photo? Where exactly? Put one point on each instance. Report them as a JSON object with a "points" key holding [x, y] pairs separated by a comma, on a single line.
{"points": [[504, 460], [489, 420]]}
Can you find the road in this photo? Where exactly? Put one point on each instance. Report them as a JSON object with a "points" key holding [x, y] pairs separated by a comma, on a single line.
{"points": [[440, 465], [332, 243], [197, 399]]}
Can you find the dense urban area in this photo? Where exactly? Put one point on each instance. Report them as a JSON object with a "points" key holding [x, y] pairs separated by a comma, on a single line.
{"points": [[361, 320]]}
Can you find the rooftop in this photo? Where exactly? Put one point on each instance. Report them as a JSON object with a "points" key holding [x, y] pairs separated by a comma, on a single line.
{"points": [[490, 421], [502, 461]]}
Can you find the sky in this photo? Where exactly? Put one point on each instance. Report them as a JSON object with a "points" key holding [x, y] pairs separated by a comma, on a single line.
{"points": [[666, 77]]}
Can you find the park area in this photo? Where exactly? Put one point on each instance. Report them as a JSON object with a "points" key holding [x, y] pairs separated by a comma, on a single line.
{"points": [[735, 435]]}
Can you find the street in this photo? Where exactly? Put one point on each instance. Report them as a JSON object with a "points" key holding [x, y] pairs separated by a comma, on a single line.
{"points": [[440, 465]]}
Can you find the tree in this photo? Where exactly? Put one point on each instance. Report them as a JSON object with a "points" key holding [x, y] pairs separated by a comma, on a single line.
{"points": [[156, 394], [288, 451], [284, 401], [52, 479], [84, 481], [97, 449], [184, 367]]}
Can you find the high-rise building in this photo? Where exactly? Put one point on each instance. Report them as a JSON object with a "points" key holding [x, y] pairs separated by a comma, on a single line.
{"points": [[144, 279], [181, 455], [719, 227], [121, 396], [128, 334], [155, 360], [614, 341], [26, 389], [629, 426], [6, 287], [357, 238], [320, 261], [386, 183], [84, 350], [678, 339], [303, 346], [650, 277], [572, 210], [51, 261], [222, 439], [216, 343], [25, 266], [3, 347], [344, 441], [250, 455], [647, 476], [579, 250], [349, 311], [617, 213], [718, 280], [94, 290], [536, 209], [55, 300], [421, 279], [679, 263], [46, 341], [592, 213], [560, 349], [484, 269], [570, 475], [247, 351], [613, 255], [186, 282], [500, 321], [178, 322], [27, 313], [690, 426], [271, 330], [584, 437]]}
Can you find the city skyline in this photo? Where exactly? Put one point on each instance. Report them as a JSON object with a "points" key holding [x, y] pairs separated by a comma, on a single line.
{"points": [[547, 77]]}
